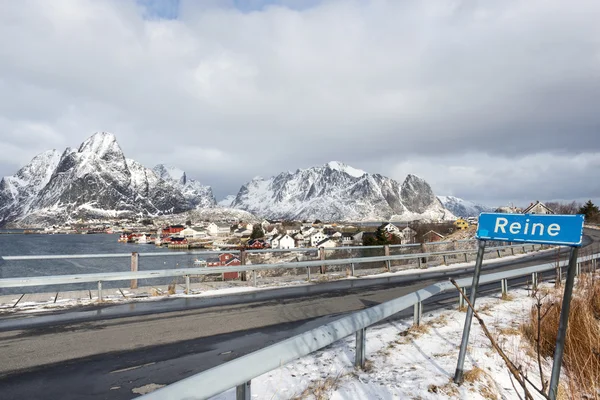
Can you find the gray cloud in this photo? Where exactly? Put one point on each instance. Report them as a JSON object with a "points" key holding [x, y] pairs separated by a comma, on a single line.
{"points": [[492, 102]]}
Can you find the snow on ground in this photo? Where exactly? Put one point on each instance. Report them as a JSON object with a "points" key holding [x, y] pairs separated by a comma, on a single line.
{"points": [[408, 363]]}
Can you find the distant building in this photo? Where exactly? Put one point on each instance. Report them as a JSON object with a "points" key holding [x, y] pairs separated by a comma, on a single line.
{"points": [[390, 228], [461, 224], [432, 236], [537, 208], [225, 260], [173, 229]]}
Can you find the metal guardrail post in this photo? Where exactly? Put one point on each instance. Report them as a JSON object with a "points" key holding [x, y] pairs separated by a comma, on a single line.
{"points": [[243, 392], [418, 313], [504, 286], [499, 254], [135, 257], [187, 285], [99, 291], [512, 251], [562, 328], [322, 258], [386, 253], [361, 345], [466, 257], [461, 301], [254, 278], [308, 274], [534, 281], [458, 376], [445, 261], [524, 251]]}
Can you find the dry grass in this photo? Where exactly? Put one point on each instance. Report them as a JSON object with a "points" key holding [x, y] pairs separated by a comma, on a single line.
{"points": [[474, 374], [321, 389], [582, 348], [449, 389]]}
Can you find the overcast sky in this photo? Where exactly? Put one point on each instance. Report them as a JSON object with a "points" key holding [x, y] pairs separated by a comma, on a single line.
{"points": [[495, 102]]}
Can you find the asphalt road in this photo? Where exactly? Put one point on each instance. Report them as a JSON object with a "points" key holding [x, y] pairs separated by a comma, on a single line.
{"points": [[106, 353]]}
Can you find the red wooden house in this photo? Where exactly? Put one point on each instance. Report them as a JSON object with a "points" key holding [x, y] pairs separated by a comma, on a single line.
{"points": [[173, 229], [225, 260]]}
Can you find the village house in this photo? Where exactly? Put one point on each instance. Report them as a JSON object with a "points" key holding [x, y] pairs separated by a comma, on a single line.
{"points": [[172, 229], [218, 229], [432, 236], [461, 224], [358, 238], [347, 239], [537, 208], [225, 260], [299, 239], [326, 243], [286, 242], [408, 235], [390, 228], [193, 233], [242, 232], [316, 237]]}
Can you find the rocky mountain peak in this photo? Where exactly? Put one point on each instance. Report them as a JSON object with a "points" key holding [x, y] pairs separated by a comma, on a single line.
{"points": [[103, 145]]}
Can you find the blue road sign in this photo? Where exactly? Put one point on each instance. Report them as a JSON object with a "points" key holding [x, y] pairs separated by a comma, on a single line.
{"points": [[533, 228]]}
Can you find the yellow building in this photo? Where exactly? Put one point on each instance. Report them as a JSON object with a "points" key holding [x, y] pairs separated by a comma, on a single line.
{"points": [[461, 224]]}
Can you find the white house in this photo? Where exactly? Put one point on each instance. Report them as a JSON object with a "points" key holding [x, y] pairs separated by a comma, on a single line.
{"points": [[218, 229], [308, 230], [327, 242], [347, 239], [274, 241], [408, 235], [242, 232], [390, 228], [316, 237], [358, 238], [286, 242], [537, 208], [299, 239], [192, 233]]}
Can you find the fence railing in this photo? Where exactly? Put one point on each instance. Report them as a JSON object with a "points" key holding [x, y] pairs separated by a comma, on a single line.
{"points": [[187, 273], [240, 372]]}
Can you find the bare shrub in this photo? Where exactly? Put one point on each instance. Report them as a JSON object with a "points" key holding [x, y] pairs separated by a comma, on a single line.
{"points": [[582, 346]]}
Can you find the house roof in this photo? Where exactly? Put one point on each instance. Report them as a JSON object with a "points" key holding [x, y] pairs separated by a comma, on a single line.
{"points": [[532, 205], [348, 235], [434, 232], [213, 260], [323, 241]]}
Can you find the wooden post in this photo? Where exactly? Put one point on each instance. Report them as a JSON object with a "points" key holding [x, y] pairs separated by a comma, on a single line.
{"points": [[244, 276], [134, 268]]}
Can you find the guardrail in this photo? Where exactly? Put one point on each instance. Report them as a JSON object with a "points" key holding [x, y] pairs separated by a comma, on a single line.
{"points": [[189, 272], [240, 372]]}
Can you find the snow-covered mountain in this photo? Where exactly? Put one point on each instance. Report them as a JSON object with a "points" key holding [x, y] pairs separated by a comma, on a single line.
{"points": [[227, 201], [463, 208], [339, 192], [95, 180], [195, 193]]}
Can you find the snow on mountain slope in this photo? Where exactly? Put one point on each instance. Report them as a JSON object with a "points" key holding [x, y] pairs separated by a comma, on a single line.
{"points": [[95, 180], [463, 208], [227, 201], [195, 193], [18, 192], [338, 192]]}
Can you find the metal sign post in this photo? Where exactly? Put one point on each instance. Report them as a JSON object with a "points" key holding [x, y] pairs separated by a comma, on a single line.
{"points": [[562, 327], [528, 228], [458, 375]]}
